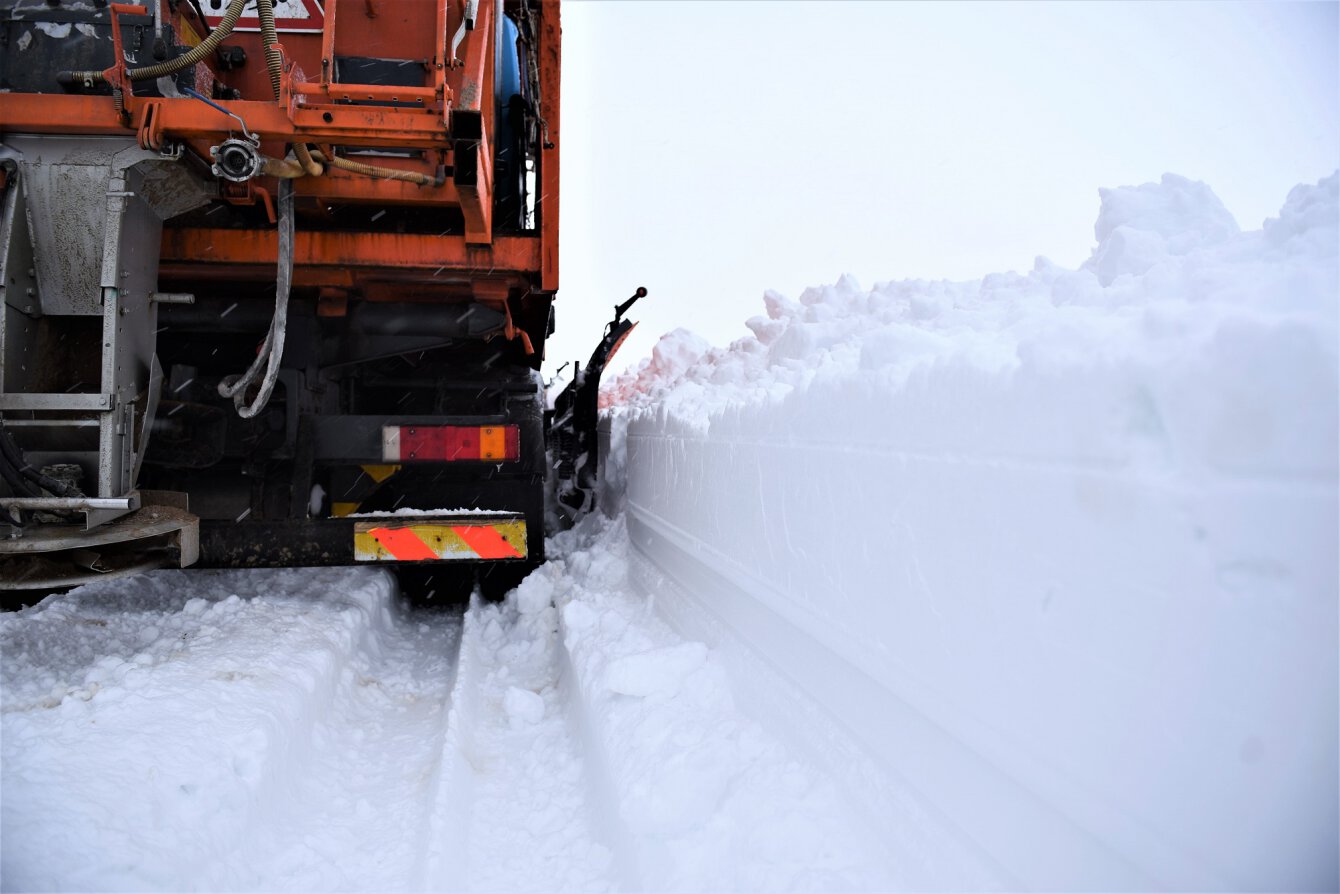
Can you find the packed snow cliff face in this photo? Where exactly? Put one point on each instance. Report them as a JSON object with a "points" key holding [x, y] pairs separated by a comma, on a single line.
{"points": [[1056, 550]]}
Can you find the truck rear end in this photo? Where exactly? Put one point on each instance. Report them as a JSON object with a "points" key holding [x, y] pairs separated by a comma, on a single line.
{"points": [[277, 283]]}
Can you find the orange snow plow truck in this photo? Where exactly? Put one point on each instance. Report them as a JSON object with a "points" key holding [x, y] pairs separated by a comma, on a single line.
{"points": [[277, 278]]}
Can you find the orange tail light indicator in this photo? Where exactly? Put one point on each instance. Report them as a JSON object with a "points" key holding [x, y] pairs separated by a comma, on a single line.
{"points": [[451, 443]]}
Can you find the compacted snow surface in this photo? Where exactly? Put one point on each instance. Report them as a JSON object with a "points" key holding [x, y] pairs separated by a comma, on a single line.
{"points": [[300, 730], [1028, 582]]}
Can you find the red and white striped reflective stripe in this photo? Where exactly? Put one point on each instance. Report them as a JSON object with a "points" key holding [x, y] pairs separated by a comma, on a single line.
{"points": [[451, 443], [403, 544], [486, 542], [430, 541]]}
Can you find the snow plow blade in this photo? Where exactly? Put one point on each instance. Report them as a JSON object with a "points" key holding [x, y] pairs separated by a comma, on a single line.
{"points": [[573, 421]]}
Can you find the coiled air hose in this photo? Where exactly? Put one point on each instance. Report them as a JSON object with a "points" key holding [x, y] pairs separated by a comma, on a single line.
{"points": [[272, 349], [274, 62], [270, 40], [196, 54], [310, 161]]}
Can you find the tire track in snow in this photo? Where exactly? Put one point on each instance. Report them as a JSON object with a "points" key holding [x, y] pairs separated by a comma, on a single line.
{"points": [[514, 808], [358, 809]]}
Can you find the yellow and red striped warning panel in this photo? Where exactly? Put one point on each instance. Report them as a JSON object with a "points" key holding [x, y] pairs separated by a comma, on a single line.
{"points": [[437, 540]]}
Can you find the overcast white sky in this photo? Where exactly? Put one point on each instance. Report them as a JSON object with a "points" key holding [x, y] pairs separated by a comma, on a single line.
{"points": [[712, 150]]}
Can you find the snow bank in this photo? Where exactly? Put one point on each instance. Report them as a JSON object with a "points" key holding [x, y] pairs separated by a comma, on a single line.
{"points": [[1072, 531], [157, 733], [698, 796]]}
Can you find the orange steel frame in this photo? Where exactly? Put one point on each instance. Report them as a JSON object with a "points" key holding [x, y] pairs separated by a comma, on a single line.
{"points": [[475, 263]]}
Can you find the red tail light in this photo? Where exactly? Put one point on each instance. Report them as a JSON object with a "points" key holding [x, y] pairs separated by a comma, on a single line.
{"points": [[451, 443]]}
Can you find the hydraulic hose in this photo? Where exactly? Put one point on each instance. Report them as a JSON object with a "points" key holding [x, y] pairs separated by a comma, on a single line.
{"points": [[14, 463], [310, 161], [9, 470], [196, 54], [269, 39], [309, 164], [283, 168], [274, 62], [345, 164], [272, 349]]}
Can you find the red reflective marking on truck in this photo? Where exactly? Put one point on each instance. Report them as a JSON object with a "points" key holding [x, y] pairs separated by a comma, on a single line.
{"points": [[487, 542], [451, 443], [403, 544]]}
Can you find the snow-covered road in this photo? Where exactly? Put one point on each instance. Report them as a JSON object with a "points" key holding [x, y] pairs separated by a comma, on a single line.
{"points": [[301, 730]]}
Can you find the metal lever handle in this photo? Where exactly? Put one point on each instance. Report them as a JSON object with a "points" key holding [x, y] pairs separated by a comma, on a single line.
{"points": [[195, 94]]}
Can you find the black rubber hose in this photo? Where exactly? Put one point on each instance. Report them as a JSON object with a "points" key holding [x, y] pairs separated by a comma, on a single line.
{"points": [[15, 481], [15, 459], [11, 466], [59, 488], [200, 12]]}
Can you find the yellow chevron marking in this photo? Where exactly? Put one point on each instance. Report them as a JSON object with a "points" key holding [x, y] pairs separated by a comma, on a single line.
{"points": [[380, 473]]}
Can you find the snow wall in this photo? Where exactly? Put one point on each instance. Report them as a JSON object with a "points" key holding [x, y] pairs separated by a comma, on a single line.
{"points": [[1047, 563]]}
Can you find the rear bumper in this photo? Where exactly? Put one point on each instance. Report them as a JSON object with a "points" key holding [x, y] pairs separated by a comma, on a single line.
{"points": [[360, 541]]}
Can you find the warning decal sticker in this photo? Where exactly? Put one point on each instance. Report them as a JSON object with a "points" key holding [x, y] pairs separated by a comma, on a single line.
{"points": [[290, 15]]}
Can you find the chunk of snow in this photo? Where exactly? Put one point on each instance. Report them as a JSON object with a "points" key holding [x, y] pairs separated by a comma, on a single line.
{"points": [[1140, 226], [523, 706], [658, 672]]}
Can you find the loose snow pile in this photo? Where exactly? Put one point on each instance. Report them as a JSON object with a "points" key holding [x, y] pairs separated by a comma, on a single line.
{"points": [[1057, 549]]}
